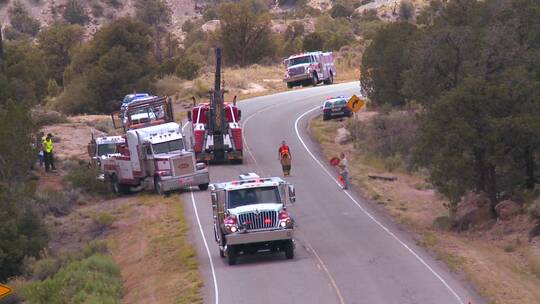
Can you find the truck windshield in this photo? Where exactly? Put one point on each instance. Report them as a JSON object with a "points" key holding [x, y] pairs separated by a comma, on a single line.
{"points": [[168, 146], [250, 196], [106, 149], [299, 60]]}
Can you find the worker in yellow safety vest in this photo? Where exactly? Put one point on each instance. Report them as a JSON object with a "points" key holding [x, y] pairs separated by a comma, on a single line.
{"points": [[48, 152]]}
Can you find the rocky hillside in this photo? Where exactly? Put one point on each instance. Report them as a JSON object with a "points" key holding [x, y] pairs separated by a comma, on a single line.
{"points": [[100, 12]]}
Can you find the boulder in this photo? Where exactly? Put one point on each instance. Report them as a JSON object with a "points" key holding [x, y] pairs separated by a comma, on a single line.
{"points": [[343, 136], [473, 209], [507, 209]]}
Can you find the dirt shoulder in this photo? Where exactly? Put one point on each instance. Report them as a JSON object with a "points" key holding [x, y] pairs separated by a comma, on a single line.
{"points": [[498, 259]]}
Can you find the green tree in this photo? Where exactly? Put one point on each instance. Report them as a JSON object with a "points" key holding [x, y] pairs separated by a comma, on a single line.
{"points": [[57, 42], [384, 61], [25, 73], [313, 42], [117, 60], [21, 231], [157, 14], [75, 13], [341, 10], [245, 32], [21, 20]]}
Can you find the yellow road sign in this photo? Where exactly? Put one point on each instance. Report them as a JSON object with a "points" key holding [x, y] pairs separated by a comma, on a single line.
{"points": [[4, 291], [355, 103]]}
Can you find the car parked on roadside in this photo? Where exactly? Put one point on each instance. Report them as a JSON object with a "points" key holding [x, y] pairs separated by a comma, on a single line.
{"points": [[335, 107]]}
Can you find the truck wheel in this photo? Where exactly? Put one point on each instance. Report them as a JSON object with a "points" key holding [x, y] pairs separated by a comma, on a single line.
{"points": [[330, 79], [115, 185], [203, 187], [314, 80], [290, 85], [221, 253], [231, 255], [158, 186], [289, 249]]}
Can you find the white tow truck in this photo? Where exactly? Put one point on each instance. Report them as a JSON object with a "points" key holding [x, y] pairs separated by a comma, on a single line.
{"points": [[250, 215], [103, 147], [154, 155]]}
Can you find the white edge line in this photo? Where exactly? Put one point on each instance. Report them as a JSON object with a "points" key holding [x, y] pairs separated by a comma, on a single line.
{"points": [[207, 248], [332, 280], [454, 293]]}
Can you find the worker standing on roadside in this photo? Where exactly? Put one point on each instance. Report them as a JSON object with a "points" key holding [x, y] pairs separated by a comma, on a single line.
{"points": [[344, 171], [48, 152], [284, 154]]}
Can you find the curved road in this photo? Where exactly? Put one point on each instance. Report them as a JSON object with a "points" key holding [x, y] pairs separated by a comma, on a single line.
{"points": [[346, 251]]}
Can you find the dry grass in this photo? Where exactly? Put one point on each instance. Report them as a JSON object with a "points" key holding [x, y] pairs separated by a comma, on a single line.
{"points": [[158, 263], [252, 81], [503, 273]]}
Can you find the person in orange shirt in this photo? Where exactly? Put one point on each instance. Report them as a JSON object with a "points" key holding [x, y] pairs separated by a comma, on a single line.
{"points": [[284, 156]]}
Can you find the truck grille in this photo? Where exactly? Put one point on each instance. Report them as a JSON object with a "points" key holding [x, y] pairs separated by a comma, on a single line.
{"points": [[258, 220], [296, 71], [183, 165]]}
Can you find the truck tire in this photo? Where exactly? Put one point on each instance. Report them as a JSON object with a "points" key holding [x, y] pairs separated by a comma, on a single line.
{"points": [[158, 186], [203, 187], [115, 185], [118, 188], [330, 79], [290, 85], [231, 255], [314, 80], [221, 253], [289, 249]]}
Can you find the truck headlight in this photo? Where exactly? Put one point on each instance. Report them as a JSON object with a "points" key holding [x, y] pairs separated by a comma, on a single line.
{"points": [[234, 229], [283, 224]]}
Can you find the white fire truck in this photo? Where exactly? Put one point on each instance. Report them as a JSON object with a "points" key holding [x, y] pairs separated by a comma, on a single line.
{"points": [[154, 155], [309, 69], [250, 215]]}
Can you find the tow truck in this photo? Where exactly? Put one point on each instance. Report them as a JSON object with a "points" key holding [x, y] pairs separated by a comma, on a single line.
{"points": [[154, 155], [250, 216], [214, 128]]}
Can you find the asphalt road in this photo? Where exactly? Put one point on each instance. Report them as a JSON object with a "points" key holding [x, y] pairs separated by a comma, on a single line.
{"points": [[346, 250]]}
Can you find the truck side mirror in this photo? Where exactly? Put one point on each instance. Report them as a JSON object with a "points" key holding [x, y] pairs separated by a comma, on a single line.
{"points": [[213, 197], [189, 115], [239, 114], [292, 194], [92, 149]]}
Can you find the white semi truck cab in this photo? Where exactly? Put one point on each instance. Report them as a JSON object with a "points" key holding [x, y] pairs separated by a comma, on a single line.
{"points": [[155, 158], [250, 215]]}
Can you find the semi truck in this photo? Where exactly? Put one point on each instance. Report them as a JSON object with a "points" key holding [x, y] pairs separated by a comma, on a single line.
{"points": [[154, 155], [250, 216]]}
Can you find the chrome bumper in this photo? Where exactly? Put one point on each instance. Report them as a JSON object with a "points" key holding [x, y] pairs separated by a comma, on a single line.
{"points": [[259, 236], [171, 183], [299, 77]]}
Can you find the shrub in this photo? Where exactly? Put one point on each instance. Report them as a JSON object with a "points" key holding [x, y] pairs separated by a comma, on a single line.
{"points": [[45, 268], [443, 223], [534, 210], [44, 117], [103, 221], [187, 68], [21, 21], [86, 179], [95, 279], [406, 10], [55, 202], [75, 13], [389, 136]]}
